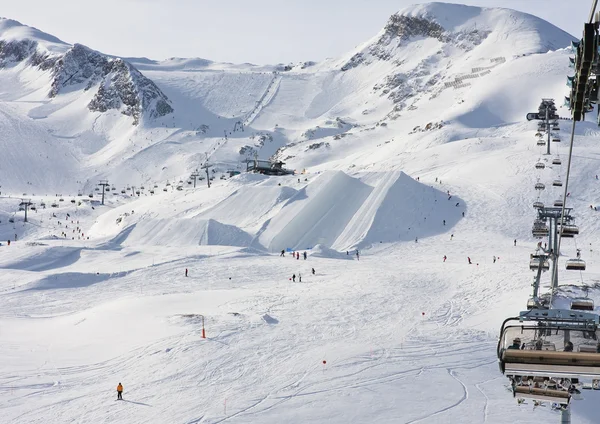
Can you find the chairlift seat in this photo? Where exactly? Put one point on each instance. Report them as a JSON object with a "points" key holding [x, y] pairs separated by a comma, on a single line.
{"points": [[540, 165], [540, 186], [538, 205], [575, 265], [569, 230], [543, 395], [558, 203], [582, 305], [557, 183], [556, 140], [534, 264]]}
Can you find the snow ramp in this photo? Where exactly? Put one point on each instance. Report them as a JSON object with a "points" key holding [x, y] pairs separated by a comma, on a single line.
{"points": [[183, 232], [317, 214], [400, 209]]}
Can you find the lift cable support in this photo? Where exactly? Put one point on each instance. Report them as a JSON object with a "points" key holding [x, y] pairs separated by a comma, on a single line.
{"points": [[194, 175], [104, 184], [26, 204]]}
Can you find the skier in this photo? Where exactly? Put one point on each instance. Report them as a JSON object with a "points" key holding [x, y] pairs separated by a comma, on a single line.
{"points": [[119, 392], [304, 254], [463, 214], [444, 222], [299, 277], [515, 242], [416, 239], [313, 271], [294, 278], [282, 252], [451, 236], [297, 255], [445, 258], [494, 259], [357, 255], [469, 259], [186, 272], [457, 203]]}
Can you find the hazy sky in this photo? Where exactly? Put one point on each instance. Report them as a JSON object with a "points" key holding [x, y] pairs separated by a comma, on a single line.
{"points": [[257, 31]]}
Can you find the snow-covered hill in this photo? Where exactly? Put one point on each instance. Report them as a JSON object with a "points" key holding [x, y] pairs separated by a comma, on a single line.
{"points": [[412, 147]]}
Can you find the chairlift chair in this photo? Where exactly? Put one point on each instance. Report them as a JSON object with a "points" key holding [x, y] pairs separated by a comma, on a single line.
{"points": [[538, 205], [535, 263], [541, 142], [97, 189], [137, 192], [582, 304], [575, 264], [151, 191], [155, 185], [33, 208], [43, 205], [79, 194], [142, 188], [569, 230], [539, 229], [123, 191], [165, 189], [531, 350], [557, 183], [556, 128], [54, 205], [61, 200], [558, 203], [539, 186], [540, 165], [168, 184], [556, 161], [538, 134], [73, 201], [91, 195], [179, 187], [556, 139]]}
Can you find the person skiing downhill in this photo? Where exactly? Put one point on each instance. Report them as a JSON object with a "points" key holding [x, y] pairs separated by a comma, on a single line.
{"points": [[186, 272], [119, 392], [313, 271], [494, 259], [445, 258], [299, 277], [282, 252], [304, 255], [357, 255], [469, 259], [294, 278]]}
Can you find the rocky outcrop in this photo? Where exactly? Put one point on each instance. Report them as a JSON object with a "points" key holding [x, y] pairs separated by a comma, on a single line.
{"points": [[120, 86]]}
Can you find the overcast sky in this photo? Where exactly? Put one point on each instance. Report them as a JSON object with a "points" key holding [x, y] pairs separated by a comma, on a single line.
{"points": [[257, 31]]}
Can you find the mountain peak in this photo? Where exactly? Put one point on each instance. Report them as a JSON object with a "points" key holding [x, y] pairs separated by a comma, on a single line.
{"points": [[15, 31]]}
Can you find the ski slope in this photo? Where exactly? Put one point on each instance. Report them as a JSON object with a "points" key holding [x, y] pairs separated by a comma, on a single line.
{"points": [[92, 295]]}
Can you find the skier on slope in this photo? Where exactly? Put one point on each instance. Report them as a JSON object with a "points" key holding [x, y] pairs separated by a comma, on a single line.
{"points": [[445, 257], [299, 277], [494, 259], [304, 255], [313, 271], [357, 255], [294, 278], [186, 272], [469, 259], [282, 252], [119, 392]]}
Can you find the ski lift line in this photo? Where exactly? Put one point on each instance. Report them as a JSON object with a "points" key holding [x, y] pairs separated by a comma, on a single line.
{"points": [[562, 212]]}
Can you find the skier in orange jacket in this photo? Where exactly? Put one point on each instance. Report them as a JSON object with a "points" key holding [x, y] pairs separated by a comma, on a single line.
{"points": [[119, 391]]}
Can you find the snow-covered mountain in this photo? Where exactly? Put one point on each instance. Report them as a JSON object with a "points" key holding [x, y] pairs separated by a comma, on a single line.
{"points": [[412, 148]]}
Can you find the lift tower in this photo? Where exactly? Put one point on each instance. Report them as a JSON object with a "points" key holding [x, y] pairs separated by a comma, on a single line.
{"points": [[103, 184], [26, 203], [194, 176]]}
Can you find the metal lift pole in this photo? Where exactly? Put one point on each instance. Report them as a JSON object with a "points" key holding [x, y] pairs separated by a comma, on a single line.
{"points": [[548, 129]]}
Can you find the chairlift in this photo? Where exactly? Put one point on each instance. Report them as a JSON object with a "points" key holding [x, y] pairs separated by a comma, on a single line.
{"points": [[540, 186], [179, 188], [54, 205], [538, 134], [556, 161], [123, 191], [556, 139], [97, 189], [43, 205], [535, 263], [79, 194], [168, 184], [151, 191], [558, 203], [115, 193], [569, 230], [540, 165], [12, 220], [541, 142], [546, 349], [73, 200], [556, 128], [582, 304], [165, 189], [61, 200], [137, 192], [155, 185], [539, 229], [557, 183], [142, 188], [575, 264], [538, 205], [91, 195], [33, 208], [189, 182]]}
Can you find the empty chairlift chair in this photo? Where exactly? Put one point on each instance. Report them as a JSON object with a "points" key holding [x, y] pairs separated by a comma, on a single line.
{"points": [[575, 264], [543, 352], [538, 205], [558, 203], [556, 161], [537, 261], [569, 230], [582, 304], [540, 186], [540, 165], [541, 142], [557, 183], [556, 139], [539, 229]]}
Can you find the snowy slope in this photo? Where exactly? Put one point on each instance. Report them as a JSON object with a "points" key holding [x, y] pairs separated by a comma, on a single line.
{"points": [[410, 148]]}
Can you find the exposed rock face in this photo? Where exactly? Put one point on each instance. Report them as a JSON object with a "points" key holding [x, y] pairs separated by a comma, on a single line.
{"points": [[119, 84]]}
